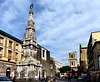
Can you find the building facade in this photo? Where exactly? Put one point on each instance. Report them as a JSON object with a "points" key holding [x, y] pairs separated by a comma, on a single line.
{"points": [[73, 60], [93, 52], [95, 36], [58, 65], [10, 53], [83, 58], [96, 54]]}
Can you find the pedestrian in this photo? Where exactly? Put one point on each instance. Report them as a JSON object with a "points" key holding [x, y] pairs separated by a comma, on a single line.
{"points": [[14, 79], [46, 79], [51, 79], [42, 79], [69, 78]]}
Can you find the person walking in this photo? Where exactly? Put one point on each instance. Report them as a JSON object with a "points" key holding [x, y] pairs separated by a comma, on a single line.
{"points": [[51, 79], [42, 79], [69, 78], [14, 78], [46, 79]]}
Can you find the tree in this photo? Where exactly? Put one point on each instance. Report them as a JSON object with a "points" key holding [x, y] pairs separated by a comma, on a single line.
{"points": [[64, 69]]}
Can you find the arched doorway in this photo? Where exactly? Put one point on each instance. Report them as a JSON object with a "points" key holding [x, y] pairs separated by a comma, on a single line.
{"points": [[8, 72]]}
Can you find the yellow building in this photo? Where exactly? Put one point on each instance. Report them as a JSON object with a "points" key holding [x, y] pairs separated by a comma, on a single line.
{"points": [[10, 53], [58, 65], [83, 57]]}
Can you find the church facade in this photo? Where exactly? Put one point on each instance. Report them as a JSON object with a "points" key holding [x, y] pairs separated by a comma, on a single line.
{"points": [[36, 60]]}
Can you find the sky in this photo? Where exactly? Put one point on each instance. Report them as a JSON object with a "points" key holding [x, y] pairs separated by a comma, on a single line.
{"points": [[61, 25]]}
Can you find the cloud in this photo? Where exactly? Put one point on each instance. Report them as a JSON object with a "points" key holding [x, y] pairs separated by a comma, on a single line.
{"points": [[65, 58], [61, 25]]}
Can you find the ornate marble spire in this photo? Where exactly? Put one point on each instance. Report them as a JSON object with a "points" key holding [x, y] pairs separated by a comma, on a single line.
{"points": [[30, 26]]}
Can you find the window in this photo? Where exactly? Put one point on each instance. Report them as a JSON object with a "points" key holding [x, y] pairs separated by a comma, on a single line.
{"points": [[81, 51], [10, 44], [95, 40], [16, 46], [72, 63], [43, 53], [22, 56], [0, 53], [0, 50], [16, 54], [1, 40], [9, 54], [71, 55]]}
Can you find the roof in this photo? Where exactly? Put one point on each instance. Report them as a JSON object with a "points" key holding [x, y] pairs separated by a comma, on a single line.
{"points": [[51, 58], [95, 31], [58, 62], [84, 45], [10, 36]]}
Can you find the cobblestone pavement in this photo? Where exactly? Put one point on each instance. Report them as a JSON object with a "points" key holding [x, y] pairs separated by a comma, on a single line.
{"points": [[59, 80], [66, 80], [27, 81]]}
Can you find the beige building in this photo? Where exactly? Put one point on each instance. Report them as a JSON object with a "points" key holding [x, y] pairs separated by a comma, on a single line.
{"points": [[58, 65], [83, 57], [95, 36], [73, 60], [96, 55], [10, 53], [93, 53]]}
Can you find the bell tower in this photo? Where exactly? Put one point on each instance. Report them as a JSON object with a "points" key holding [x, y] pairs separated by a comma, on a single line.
{"points": [[73, 60]]}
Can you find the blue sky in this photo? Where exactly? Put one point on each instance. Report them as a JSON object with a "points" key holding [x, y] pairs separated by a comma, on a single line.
{"points": [[61, 25]]}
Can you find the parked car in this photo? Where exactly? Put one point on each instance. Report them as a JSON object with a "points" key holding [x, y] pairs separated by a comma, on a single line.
{"points": [[79, 78], [4, 79], [84, 76]]}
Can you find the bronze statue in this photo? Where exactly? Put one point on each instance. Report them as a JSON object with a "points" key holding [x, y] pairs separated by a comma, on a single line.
{"points": [[31, 6]]}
